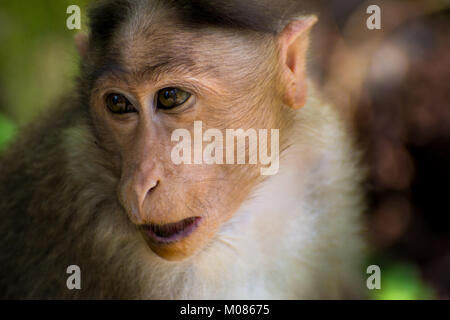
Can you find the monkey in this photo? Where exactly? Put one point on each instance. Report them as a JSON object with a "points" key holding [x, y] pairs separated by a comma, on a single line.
{"points": [[91, 181]]}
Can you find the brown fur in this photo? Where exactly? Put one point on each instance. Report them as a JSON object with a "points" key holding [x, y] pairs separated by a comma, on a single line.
{"points": [[74, 186]]}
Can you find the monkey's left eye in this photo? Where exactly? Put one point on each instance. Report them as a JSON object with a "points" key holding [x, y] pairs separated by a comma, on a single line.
{"points": [[169, 98], [117, 103]]}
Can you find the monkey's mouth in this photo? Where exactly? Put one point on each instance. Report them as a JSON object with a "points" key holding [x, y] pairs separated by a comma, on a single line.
{"points": [[171, 232]]}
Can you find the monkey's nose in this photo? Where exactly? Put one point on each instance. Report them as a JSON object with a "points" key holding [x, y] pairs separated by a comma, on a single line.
{"points": [[143, 191], [152, 188], [134, 195]]}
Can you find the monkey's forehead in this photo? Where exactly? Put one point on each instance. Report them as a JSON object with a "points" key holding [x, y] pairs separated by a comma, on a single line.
{"points": [[167, 47], [138, 40], [258, 15], [166, 52]]}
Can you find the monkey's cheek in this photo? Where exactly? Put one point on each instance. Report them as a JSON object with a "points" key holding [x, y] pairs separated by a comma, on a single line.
{"points": [[184, 248]]}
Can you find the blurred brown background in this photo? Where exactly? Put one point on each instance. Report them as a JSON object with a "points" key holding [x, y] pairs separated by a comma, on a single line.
{"points": [[392, 85]]}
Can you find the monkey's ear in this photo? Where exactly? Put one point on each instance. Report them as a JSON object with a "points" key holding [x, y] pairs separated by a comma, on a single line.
{"points": [[293, 43], [82, 42]]}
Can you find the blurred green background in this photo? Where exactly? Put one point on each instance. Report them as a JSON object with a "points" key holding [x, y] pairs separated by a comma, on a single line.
{"points": [[38, 63], [38, 59]]}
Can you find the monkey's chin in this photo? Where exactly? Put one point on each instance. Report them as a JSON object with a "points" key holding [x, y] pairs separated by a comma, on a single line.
{"points": [[174, 241]]}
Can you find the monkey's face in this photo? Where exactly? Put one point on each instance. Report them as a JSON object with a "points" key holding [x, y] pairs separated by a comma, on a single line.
{"points": [[164, 80]]}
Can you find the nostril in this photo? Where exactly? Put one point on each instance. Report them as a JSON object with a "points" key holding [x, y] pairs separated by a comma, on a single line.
{"points": [[153, 188]]}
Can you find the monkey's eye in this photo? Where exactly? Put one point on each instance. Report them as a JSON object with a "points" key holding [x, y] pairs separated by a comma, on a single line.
{"points": [[117, 103], [169, 98]]}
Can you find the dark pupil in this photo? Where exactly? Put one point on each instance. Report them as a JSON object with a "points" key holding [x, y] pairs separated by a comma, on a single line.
{"points": [[119, 101], [170, 95]]}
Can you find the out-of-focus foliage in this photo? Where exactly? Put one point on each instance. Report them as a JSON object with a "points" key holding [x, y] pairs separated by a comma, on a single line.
{"points": [[397, 78], [403, 282], [37, 56], [400, 281], [7, 131]]}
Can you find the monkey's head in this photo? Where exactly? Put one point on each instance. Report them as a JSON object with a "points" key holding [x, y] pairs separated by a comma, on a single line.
{"points": [[151, 69]]}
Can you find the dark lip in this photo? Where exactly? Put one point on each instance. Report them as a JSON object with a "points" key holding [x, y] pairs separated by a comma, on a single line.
{"points": [[171, 232]]}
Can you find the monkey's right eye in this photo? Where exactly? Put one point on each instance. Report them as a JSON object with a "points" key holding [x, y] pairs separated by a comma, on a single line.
{"points": [[117, 103]]}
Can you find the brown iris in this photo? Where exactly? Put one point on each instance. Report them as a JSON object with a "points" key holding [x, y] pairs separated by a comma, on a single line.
{"points": [[169, 98]]}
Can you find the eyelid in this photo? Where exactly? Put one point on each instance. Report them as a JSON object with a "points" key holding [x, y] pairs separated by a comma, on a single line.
{"points": [[189, 87]]}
